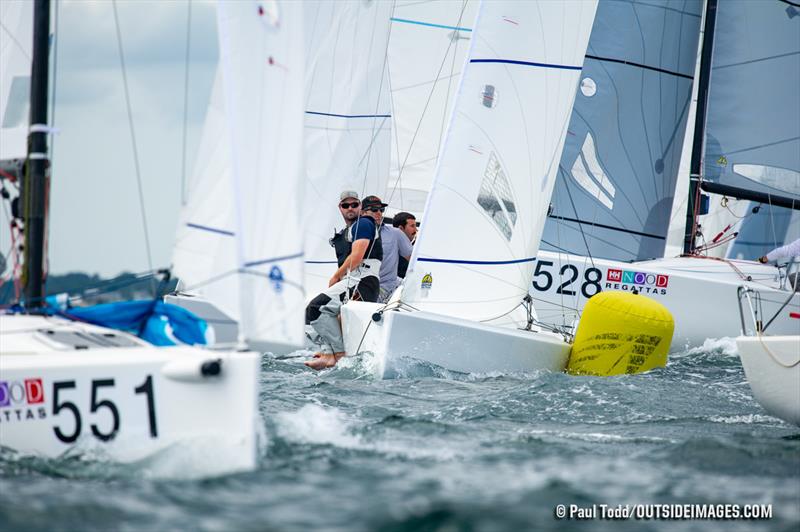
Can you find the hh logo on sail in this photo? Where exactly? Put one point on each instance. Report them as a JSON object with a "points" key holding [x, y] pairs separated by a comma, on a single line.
{"points": [[650, 283]]}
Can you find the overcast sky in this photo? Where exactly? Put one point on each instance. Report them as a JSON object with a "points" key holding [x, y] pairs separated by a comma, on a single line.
{"points": [[96, 221]]}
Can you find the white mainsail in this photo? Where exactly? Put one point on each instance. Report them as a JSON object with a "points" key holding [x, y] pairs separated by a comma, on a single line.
{"points": [[240, 241], [16, 39], [261, 53], [427, 49], [486, 210], [347, 118], [204, 256]]}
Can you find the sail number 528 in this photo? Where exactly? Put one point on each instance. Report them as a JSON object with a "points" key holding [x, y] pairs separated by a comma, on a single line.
{"points": [[97, 404], [568, 275]]}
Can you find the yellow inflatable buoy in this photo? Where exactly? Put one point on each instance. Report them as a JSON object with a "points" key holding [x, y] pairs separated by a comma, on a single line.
{"points": [[620, 333]]}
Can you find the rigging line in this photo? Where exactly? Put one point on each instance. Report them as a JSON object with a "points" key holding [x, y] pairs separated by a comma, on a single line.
{"points": [[133, 139], [422, 116], [55, 79], [384, 73], [186, 101], [15, 41], [450, 82]]}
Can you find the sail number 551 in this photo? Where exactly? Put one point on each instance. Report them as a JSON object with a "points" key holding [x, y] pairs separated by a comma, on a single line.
{"points": [[568, 274], [96, 405]]}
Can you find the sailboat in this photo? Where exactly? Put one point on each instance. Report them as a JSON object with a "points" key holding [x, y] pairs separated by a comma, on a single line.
{"points": [[746, 145], [70, 386], [771, 362], [463, 297]]}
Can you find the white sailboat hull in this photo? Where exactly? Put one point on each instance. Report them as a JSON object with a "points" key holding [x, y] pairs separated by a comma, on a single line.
{"points": [[451, 343], [701, 293], [772, 366], [126, 404]]}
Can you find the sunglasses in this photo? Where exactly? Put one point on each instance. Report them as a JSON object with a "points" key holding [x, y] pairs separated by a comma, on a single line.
{"points": [[376, 209], [353, 205]]}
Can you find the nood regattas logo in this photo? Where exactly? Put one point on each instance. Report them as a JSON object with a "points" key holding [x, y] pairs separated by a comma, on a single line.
{"points": [[18, 400], [644, 282]]}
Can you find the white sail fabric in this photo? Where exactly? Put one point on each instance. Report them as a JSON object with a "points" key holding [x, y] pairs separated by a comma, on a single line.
{"points": [[486, 211], [427, 49], [204, 256], [347, 119], [16, 41], [261, 53]]}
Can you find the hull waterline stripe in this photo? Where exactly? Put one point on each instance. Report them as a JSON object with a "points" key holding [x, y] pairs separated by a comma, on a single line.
{"points": [[321, 262], [526, 63], [274, 259], [429, 24], [639, 65], [211, 229], [609, 227], [477, 262], [346, 116]]}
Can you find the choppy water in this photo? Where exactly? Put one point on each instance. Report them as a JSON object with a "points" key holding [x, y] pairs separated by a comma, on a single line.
{"points": [[438, 451]]}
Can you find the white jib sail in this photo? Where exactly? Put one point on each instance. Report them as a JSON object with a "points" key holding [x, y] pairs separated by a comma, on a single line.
{"points": [[16, 40], [347, 119], [486, 210], [427, 49], [262, 58], [204, 257]]}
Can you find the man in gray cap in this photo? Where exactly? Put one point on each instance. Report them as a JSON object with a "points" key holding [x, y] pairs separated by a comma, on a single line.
{"points": [[350, 209]]}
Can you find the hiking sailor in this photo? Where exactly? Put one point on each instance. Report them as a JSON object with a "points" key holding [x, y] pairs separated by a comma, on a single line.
{"points": [[357, 278], [350, 209]]}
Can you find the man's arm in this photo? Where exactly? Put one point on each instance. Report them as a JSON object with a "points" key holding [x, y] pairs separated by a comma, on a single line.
{"points": [[352, 261]]}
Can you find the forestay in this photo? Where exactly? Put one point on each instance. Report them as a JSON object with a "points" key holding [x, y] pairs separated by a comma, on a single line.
{"points": [[427, 49], [16, 39], [618, 171], [347, 119], [485, 214], [752, 134]]}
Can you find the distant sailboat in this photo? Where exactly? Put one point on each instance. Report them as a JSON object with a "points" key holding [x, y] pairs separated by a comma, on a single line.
{"points": [[594, 245]]}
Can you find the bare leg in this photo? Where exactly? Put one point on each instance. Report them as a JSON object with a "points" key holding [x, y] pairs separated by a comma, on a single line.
{"points": [[324, 360]]}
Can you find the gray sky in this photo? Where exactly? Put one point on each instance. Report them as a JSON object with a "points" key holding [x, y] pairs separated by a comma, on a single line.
{"points": [[95, 216]]}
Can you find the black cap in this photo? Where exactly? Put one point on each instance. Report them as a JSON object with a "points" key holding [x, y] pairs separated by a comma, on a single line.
{"points": [[372, 201]]}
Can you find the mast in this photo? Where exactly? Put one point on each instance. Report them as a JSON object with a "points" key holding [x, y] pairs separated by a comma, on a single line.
{"points": [[696, 167], [35, 188]]}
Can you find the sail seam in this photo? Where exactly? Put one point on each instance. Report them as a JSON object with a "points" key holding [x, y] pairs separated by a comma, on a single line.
{"points": [[429, 24]]}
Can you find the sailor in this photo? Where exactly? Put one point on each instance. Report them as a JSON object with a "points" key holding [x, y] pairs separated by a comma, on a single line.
{"points": [[357, 279], [396, 246], [789, 251], [407, 223], [350, 209]]}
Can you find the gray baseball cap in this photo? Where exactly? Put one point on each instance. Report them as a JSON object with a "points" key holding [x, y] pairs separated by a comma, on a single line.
{"points": [[348, 194]]}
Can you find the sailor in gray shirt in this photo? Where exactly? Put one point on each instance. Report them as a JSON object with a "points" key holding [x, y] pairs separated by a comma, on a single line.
{"points": [[395, 245]]}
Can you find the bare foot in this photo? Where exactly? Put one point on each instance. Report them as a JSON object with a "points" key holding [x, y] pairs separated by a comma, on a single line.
{"points": [[324, 360]]}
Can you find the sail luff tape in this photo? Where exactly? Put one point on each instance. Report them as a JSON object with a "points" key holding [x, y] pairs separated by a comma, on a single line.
{"points": [[42, 128]]}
